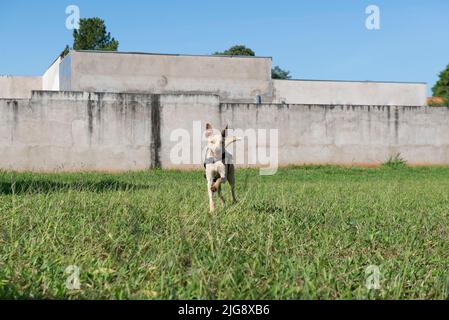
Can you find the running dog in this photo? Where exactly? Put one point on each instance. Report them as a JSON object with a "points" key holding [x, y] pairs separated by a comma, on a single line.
{"points": [[218, 163]]}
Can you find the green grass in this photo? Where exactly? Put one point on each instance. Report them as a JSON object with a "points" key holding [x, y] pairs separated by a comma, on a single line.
{"points": [[304, 233]]}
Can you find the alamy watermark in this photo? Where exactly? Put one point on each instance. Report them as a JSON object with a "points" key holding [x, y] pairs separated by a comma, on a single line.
{"points": [[73, 20], [373, 275], [73, 278], [372, 22], [253, 147]]}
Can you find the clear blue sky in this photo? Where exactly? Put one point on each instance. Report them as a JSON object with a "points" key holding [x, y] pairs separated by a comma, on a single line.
{"points": [[314, 39]]}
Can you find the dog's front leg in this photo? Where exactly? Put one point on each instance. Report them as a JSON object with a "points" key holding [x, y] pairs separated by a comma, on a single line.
{"points": [[210, 182], [211, 195]]}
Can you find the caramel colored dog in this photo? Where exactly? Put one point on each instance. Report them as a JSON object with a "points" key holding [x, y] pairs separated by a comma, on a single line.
{"points": [[218, 164]]}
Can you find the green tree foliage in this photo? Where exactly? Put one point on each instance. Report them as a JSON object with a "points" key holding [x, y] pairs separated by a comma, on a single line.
{"points": [[441, 88], [241, 50], [238, 50], [278, 73], [92, 35]]}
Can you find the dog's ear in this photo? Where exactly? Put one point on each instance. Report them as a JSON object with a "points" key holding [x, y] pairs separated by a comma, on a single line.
{"points": [[209, 130], [224, 132]]}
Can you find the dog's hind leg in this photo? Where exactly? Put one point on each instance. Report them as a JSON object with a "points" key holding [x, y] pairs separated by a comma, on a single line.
{"points": [[220, 195], [216, 185]]}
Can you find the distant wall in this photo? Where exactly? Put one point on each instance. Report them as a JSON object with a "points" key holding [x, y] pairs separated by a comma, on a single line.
{"points": [[68, 131], [19, 87], [50, 79], [232, 78], [347, 92]]}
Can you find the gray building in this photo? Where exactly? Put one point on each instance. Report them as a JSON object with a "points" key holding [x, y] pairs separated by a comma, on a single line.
{"points": [[233, 79]]}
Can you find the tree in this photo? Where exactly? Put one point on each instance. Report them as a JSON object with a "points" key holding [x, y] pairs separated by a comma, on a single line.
{"points": [[92, 35], [278, 73], [238, 50], [441, 88], [241, 50]]}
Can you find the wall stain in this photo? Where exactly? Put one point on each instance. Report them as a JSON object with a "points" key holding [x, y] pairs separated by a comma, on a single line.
{"points": [[15, 115], [15, 110], [100, 105], [396, 124], [369, 123], [388, 117], [155, 131], [90, 117]]}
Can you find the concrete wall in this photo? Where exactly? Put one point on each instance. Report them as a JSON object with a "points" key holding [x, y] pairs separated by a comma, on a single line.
{"points": [[347, 92], [337, 134], [232, 78], [19, 87], [67, 131], [50, 79]]}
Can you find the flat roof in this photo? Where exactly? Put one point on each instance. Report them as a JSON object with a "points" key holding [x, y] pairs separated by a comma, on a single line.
{"points": [[249, 57], [368, 81], [172, 54]]}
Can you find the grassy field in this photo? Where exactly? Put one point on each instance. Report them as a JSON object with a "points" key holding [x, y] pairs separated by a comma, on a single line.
{"points": [[304, 233]]}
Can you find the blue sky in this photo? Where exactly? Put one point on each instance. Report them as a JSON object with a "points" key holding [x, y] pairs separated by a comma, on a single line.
{"points": [[314, 39]]}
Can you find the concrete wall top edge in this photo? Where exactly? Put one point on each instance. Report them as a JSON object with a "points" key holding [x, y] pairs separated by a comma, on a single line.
{"points": [[111, 96], [171, 54], [287, 105], [38, 94], [350, 81], [63, 93]]}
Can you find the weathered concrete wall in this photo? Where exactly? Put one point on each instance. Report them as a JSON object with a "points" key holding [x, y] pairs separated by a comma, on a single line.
{"points": [[349, 92], [69, 131], [232, 78], [50, 79], [19, 87], [338, 134]]}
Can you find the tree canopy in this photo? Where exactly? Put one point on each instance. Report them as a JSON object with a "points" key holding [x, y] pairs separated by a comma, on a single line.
{"points": [[278, 73], [441, 88], [238, 50], [92, 35], [241, 50]]}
